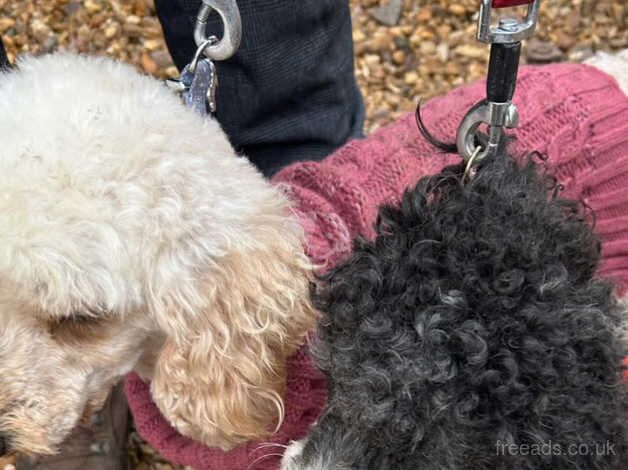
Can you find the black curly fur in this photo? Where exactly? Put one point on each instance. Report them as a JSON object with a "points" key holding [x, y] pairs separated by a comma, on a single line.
{"points": [[473, 319]]}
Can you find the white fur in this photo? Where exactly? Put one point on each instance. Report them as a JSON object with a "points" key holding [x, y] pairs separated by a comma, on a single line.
{"points": [[616, 65], [100, 206], [294, 450], [119, 204]]}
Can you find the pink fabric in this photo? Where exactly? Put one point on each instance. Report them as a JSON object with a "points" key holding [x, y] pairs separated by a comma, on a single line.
{"points": [[573, 113]]}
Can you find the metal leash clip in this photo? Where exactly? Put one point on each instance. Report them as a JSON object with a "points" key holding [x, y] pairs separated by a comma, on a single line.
{"points": [[496, 111], [232, 35], [198, 80]]}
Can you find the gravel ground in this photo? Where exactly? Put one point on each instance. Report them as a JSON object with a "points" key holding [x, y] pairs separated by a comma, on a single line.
{"points": [[404, 49]]}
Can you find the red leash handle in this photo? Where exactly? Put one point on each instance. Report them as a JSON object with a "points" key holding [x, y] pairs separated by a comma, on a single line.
{"points": [[510, 3]]}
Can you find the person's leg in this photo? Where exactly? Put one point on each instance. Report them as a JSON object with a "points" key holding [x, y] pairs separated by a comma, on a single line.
{"points": [[290, 92]]}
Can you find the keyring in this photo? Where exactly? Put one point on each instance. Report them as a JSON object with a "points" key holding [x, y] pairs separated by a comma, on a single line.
{"points": [[470, 164], [230, 41], [210, 41]]}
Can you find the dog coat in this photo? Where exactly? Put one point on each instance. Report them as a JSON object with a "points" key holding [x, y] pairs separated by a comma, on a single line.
{"points": [[575, 114]]}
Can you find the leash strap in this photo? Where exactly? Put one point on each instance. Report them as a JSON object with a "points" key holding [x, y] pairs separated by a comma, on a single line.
{"points": [[510, 3], [502, 72], [4, 59]]}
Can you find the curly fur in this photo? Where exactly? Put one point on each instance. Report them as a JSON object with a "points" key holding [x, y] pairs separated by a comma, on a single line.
{"points": [[473, 320], [132, 237]]}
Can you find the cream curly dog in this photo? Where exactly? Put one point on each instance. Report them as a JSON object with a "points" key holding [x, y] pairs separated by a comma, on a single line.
{"points": [[132, 237]]}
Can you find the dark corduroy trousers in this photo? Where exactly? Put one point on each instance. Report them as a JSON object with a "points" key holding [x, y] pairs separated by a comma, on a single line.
{"points": [[290, 91]]}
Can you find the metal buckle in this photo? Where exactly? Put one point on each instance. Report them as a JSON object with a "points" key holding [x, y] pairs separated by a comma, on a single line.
{"points": [[508, 30], [230, 15]]}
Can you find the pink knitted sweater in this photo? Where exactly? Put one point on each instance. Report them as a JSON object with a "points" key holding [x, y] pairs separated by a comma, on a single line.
{"points": [[573, 113]]}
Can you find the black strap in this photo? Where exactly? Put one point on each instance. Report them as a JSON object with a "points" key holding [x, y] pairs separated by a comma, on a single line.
{"points": [[502, 72], [4, 59]]}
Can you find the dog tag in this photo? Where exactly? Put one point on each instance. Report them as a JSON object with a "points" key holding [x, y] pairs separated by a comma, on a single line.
{"points": [[197, 86], [202, 90]]}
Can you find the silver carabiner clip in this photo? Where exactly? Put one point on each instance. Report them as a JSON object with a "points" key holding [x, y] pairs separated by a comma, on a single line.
{"points": [[230, 41]]}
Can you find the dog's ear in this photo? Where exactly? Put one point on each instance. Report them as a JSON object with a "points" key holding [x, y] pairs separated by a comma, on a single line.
{"points": [[220, 375]]}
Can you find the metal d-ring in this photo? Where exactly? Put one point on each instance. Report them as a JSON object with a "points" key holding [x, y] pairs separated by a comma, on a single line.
{"points": [[230, 41]]}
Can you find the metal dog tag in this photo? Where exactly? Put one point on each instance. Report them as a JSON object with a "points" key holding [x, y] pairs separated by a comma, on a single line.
{"points": [[197, 85], [202, 91]]}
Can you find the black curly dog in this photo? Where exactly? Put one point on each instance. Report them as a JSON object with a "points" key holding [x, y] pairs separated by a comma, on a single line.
{"points": [[472, 334]]}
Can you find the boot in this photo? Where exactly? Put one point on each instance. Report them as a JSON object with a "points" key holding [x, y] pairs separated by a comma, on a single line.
{"points": [[99, 445]]}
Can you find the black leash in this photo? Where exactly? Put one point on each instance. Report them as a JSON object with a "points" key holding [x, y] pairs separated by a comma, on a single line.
{"points": [[4, 59]]}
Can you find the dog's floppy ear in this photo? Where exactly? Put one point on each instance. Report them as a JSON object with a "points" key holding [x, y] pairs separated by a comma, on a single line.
{"points": [[220, 375]]}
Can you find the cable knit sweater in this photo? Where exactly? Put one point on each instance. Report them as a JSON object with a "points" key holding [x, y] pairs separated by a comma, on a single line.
{"points": [[575, 114]]}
